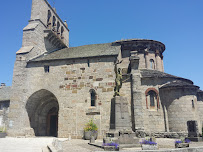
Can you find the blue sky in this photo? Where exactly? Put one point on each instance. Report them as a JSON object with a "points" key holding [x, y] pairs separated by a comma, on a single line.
{"points": [[176, 23]]}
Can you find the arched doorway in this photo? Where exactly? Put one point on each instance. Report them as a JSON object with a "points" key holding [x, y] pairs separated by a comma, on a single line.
{"points": [[42, 108], [52, 122]]}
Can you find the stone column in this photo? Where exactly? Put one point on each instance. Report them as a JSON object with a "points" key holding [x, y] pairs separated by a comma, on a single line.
{"points": [[147, 58], [137, 104], [162, 63], [158, 59]]}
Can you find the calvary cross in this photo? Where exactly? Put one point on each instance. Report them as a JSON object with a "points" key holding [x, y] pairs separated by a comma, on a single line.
{"points": [[122, 109]]}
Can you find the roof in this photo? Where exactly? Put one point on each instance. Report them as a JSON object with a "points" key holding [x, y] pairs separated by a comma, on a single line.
{"points": [[147, 73], [94, 50], [179, 83], [200, 91], [5, 93], [140, 40]]}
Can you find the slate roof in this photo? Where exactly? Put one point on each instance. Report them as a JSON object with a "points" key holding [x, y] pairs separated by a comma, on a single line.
{"points": [[147, 73], [86, 51], [179, 83], [200, 91], [5, 93]]}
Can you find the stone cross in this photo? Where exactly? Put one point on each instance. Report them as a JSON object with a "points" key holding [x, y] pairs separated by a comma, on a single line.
{"points": [[122, 109]]}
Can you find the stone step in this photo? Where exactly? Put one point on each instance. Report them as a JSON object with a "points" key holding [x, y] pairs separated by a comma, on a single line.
{"points": [[45, 149]]}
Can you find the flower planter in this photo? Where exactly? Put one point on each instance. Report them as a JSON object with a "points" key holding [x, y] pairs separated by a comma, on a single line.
{"points": [[181, 145], [3, 134], [111, 148], [88, 134], [149, 147]]}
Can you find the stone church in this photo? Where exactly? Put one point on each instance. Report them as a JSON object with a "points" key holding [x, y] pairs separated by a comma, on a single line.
{"points": [[57, 89]]}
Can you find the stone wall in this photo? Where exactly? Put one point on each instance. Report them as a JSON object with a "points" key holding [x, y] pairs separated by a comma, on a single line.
{"points": [[200, 110], [153, 118], [178, 102], [70, 81]]}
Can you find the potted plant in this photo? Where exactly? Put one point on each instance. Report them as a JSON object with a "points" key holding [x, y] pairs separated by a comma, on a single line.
{"points": [[3, 132], [183, 143], [148, 145], [112, 146], [90, 130]]}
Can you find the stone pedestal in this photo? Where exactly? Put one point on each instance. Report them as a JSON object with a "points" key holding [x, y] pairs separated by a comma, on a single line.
{"points": [[120, 118], [120, 124]]}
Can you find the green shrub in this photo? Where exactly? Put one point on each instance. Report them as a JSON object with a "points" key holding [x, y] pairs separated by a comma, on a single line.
{"points": [[91, 126]]}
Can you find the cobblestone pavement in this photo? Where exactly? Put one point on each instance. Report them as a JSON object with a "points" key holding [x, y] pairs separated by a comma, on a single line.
{"points": [[24, 144]]}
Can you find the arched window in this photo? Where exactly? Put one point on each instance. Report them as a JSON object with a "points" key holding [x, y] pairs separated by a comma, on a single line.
{"points": [[152, 96], [93, 97], [54, 23], [49, 19], [152, 64], [58, 26], [62, 30]]}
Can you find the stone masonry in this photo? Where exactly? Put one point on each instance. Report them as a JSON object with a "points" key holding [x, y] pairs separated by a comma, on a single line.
{"points": [[57, 89]]}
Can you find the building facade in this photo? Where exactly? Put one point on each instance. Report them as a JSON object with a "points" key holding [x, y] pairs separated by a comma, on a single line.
{"points": [[57, 89]]}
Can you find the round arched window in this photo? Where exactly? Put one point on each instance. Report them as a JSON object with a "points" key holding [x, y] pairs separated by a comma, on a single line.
{"points": [[93, 97], [152, 66]]}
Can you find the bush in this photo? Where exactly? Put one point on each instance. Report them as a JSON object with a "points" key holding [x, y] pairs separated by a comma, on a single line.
{"points": [[91, 126]]}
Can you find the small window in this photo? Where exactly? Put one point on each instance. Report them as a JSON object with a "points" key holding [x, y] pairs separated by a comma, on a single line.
{"points": [[93, 97], [152, 96], [152, 64], [62, 30], [46, 69], [49, 18], [88, 63], [193, 105], [58, 27]]}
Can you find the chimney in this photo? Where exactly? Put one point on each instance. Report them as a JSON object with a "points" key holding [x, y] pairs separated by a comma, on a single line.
{"points": [[2, 85]]}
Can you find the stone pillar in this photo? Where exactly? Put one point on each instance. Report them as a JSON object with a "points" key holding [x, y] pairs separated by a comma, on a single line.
{"points": [[147, 58], [122, 116], [137, 95], [158, 61], [162, 63]]}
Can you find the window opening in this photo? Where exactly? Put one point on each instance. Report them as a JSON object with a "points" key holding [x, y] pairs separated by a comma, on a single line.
{"points": [[152, 96], [88, 63], [54, 24], [193, 105], [46, 69], [93, 97], [152, 64], [49, 19]]}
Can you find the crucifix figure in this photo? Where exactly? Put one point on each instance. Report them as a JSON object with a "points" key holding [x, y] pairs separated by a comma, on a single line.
{"points": [[118, 80]]}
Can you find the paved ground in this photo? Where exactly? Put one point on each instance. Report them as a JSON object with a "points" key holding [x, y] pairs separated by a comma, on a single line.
{"points": [[78, 145], [75, 145], [24, 144]]}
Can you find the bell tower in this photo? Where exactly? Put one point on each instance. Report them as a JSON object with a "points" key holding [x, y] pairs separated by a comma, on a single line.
{"points": [[45, 32]]}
